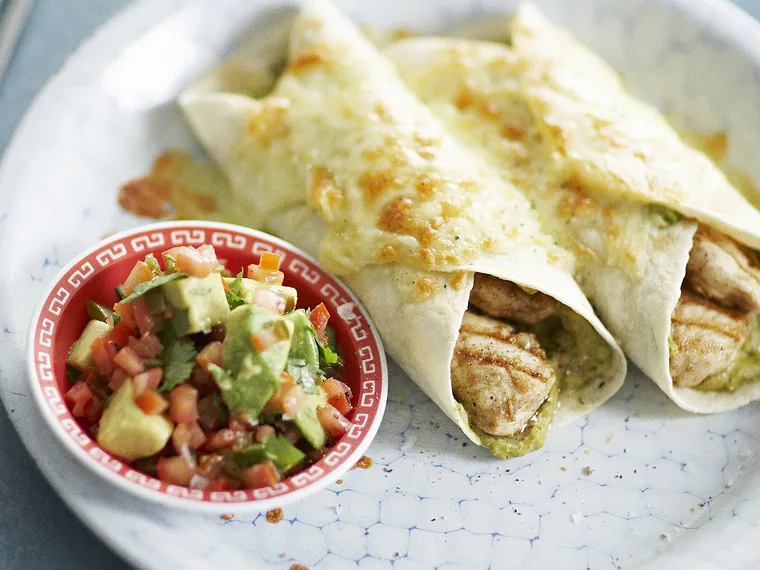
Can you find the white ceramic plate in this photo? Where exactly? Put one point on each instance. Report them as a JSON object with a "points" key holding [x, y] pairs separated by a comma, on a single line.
{"points": [[636, 484]]}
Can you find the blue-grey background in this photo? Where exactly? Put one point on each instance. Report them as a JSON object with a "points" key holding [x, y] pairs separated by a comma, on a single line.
{"points": [[37, 531]]}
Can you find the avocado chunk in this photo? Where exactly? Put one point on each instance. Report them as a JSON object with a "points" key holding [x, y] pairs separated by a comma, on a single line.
{"points": [[303, 360], [128, 432], [248, 286], [249, 377], [284, 454], [80, 356], [276, 447], [203, 303], [307, 422]]}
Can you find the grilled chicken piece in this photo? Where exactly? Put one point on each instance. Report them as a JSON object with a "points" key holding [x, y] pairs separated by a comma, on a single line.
{"points": [[504, 300], [706, 337], [500, 376], [723, 271]]}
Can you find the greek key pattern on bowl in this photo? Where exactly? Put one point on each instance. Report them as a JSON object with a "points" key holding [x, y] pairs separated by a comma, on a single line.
{"points": [[226, 239], [45, 367], [229, 497], [47, 326], [146, 241], [302, 269], [268, 492], [337, 453], [54, 400], [308, 476], [142, 479], [111, 254], [105, 459], [154, 240], [261, 246], [57, 303], [80, 275], [188, 237], [76, 433]]}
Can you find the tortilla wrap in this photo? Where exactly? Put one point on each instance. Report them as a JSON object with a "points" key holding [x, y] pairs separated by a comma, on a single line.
{"points": [[342, 160], [605, 171]]}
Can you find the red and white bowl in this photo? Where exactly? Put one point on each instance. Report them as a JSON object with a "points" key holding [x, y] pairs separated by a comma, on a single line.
{"points": [[94, 275]]}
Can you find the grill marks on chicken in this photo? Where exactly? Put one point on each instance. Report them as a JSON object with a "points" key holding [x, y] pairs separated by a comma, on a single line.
{"points": [[505, 300], [724, 271], [499, 374], [707, 338], [711, 320]]}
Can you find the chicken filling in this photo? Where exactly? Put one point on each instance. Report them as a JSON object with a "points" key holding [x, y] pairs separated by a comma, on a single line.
{"points": [[500, 373], [713, 320]]}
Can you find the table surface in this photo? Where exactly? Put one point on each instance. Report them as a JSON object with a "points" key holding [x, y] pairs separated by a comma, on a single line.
{"points": [[36, 529]]}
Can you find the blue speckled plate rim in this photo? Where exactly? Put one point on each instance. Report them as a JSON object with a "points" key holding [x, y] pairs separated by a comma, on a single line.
{"points": [[726, 20]]}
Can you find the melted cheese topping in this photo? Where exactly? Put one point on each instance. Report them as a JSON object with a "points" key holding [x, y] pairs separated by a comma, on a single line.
{"points": [[604, 137], [474, 88], [389, 181]]}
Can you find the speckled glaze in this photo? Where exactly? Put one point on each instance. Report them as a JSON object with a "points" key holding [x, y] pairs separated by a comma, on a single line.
{"points": [[637, 484]]}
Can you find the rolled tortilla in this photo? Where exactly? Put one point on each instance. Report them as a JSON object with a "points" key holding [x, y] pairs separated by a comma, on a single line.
{"points": [[605, 171], [344, 161]]}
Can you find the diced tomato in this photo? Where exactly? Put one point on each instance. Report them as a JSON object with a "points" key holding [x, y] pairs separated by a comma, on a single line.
{"points": [[143, 317], [338, 395], [79, 395], [269, 261], [210, 466], [150, 346], [199, 262], [333, 421], [319, 316], [263, 474], [148, 380], [184, 404], [263, 339], [103, 352], [127, 360], [269, 300], [210, 411], [187, 435], [117, 379], [201, 379], [231, 482], [223, 439], [210, 354], [264, 432], [140, 273], [151, 402], [93, 410], [121, 332], [266, 276], [175, 470], [126, 316], [289, 399]]}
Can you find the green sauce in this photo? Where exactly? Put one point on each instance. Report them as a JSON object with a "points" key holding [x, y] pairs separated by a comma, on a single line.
{"points": [[531, 438], [575, 349], [576, 353], [744, 369]]}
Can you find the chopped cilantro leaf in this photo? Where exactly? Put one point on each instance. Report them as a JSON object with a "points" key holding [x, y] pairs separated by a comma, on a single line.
{"points": [[178, 359], [154, 283], [233, 295]]}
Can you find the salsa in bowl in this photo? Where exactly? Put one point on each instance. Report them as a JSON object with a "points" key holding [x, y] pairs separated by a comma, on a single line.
{"points": [[204, 364]]}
